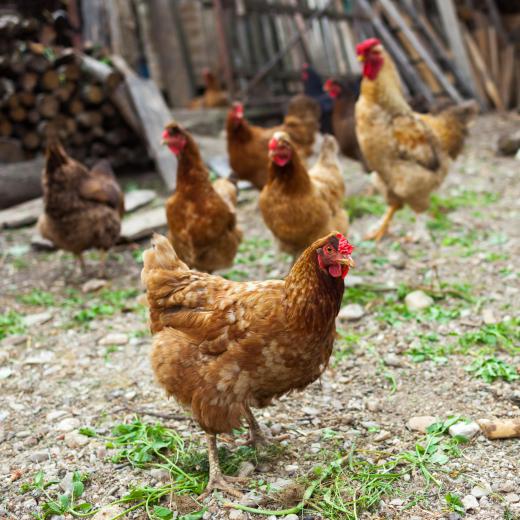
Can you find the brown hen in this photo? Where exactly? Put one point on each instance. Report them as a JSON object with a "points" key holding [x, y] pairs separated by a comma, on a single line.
{"points": [[82, 208], [221, 347]]}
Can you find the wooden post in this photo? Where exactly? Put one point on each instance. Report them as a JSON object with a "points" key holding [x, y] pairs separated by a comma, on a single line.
{"points": [[154, 115], [225, 57]]}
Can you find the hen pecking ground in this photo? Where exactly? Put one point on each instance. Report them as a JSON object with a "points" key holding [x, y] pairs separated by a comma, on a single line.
{"points": [[84, 426]]}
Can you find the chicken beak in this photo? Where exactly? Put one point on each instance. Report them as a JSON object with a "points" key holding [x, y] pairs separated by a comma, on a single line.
{"points": [[361, 58], [348, 261]]}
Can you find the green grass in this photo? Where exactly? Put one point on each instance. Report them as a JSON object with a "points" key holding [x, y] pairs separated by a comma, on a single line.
{"points": [[38, 297], [429, 348], [344, 346], [503, 335], [107, 303], [11, 323], [360, 205], [490, 369]]}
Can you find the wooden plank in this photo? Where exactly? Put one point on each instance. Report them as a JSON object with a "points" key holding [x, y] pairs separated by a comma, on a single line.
{"points": [[507, 64], [20, 181], [348, 42], [223, 46], [417, 46], [154, 115], [452, 30], [493, 52], [489, 85]]}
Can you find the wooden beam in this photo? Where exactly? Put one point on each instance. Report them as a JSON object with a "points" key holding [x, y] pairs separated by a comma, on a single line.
{"points": [[154, 115], [456, 43], [348, 41], [507, 64], [222, 42]]}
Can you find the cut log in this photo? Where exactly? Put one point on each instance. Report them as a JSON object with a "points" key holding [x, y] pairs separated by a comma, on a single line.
{"points": [[21, 215], [27, 99], [500, 428], [50, 80], [11, 151], [48, 106], [31, 140], [6, 128], [92, 94], [18, 114], [75, 106], [100, 71], [89, 119], [20, 182], [28, 81], [33, 117], [70, 71], [154, 115], [65, 91]]}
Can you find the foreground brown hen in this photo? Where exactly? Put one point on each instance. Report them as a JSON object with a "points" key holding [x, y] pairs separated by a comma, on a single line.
{"points": [[221, 347], [82, 208]]}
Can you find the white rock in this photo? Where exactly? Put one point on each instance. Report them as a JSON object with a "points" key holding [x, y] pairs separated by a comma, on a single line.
{"points": [[291, 517], [383, 435], [138, 198], [512, 498], [351, 312], [393, 360], [32, 320], [421, 423], [310, 410], [470, 503], [40, 358], [353, 280], [39, 456], [276, 429], [67, 425], [55, 414], [159, 474], [373, 405], [75, 440], [114, 338], [245, 469], [93, 284], [396, 502], [417, 300], [488, 316], [236, 514], [480, 490], [291, 469], [66, 483], [21, 214], [397, 259], [107, 513], [142, 224], [5, 372], [466, 430]]}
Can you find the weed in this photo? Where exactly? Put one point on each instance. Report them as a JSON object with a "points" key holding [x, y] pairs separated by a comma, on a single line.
{"points": [[428, 348], [490, 369], [11, 323], [106, 304], [454, 503], [504, 334], [360, 205], [38, 297], [345, 346], [359, 294]]}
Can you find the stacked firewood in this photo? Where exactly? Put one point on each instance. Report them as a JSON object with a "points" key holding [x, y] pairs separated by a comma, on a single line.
{"points": [[48, 92]]}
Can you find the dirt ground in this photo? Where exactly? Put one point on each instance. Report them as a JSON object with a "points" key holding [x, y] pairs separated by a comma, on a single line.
{"points": [[59, 372]]}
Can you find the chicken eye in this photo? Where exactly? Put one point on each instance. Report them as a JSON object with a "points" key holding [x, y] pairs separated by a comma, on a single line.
{"points": [[328, 250]]}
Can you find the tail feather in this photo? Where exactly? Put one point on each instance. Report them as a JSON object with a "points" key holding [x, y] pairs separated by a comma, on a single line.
{"points": [[56, 157], [161, 256]]}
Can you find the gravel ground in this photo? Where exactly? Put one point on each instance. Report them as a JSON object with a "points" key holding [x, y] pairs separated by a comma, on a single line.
{"points": [[60, 372]]}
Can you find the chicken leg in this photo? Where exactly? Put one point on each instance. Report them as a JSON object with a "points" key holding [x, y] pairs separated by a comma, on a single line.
{"points": [[379, 233], [103, 263], [216, 479], [81, 261], [256, 436]]}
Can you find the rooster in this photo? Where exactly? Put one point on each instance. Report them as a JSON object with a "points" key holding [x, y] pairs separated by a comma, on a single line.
{"points": [[201, 215], [221, 347], [397, 143], [247, 144], [82, 208], [299, 206]]}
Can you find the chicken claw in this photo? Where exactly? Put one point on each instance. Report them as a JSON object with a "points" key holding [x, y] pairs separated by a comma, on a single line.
{"points": [[256, 437], [379, 233]]}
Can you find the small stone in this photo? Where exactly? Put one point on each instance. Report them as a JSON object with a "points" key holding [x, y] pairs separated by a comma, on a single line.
{"points": [[512, 498], [39, 456], [393, 360], [470, 503], [418, 300], [315, 447], [421, 423], [310, 410], [397, 259], [454, 516], [506, 487], [138, 198], [291, 517], [114, 339], [67, 425], [291, 469], [396, 502], [351, 312], [245, 469], [108, 513], [280, 483], [480, 491], [353, 280], [5, 372], [66, 482], [159, 474], [373, 405], [75, 440], [369, 424], [93, 285], [488, 316], [55, 414], [32, 320], [40, 358], [236, 514], [509, 143], [276, 429], [383, 435], [251, 499], [467, 430]]}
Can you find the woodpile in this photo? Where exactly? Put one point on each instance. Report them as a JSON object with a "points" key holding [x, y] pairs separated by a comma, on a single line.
{"points": [[50, 91]]}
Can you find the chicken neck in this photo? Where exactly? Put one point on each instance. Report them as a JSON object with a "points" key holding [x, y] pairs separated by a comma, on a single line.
{"points": [[386, 90], [292, 177], [190, 167]]}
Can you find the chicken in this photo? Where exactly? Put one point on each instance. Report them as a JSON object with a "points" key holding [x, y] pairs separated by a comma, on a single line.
{"points": [[313, 87], [345, 94], [213, 95], [221, 347], [397, 143], [247, 144], [201, 216], [451, 125], [82, 208], [300, 206], [302, 122]]}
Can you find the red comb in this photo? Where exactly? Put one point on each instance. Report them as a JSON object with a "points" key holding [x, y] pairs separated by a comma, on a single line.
{"points": [[344, 247], [273, 144], [363, 47]]}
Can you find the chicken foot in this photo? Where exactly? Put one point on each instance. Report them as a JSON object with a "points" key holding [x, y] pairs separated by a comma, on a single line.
{"points": [[379, 233], [102, 264], [216, 479], [256, 437]]}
